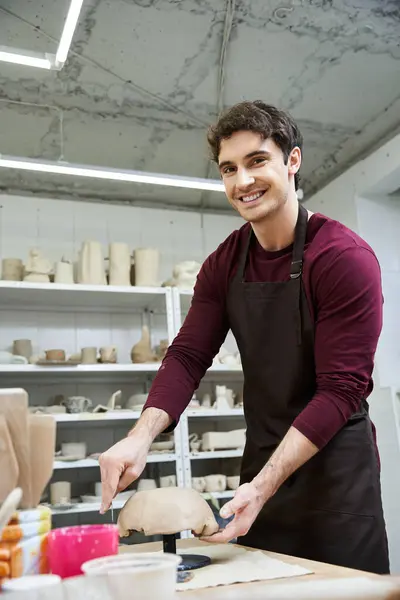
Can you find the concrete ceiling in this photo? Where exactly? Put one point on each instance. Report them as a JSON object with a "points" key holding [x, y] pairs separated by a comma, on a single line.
{"points": [[142, 83]]}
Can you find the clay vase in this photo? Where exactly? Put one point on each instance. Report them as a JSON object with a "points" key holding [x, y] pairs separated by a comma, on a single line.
{"points": [[142, 352], [120, 264], [146, 267], [91, 264], [12, 269]]}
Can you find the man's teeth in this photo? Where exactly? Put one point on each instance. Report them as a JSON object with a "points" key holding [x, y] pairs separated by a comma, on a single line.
{"points": [[252, 197]]}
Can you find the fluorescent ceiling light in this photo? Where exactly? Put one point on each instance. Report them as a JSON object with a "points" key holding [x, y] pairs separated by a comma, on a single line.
{"points": [[46, 60], [63, 168], [68, 31], [11, 55]]}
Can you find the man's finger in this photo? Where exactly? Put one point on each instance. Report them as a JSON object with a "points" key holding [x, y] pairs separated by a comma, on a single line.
{"points": [[233, 506], [127, 478], [224, 535], [110, 479]]}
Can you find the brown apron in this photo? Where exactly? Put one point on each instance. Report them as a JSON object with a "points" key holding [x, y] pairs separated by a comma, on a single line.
{"points": [[330, 509]]}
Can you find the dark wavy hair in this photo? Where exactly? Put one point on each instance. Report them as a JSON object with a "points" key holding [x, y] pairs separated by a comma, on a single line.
{"points": [[267, 120]]}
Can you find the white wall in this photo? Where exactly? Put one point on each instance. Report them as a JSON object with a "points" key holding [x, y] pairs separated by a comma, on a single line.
{"points": [[360, 200]]}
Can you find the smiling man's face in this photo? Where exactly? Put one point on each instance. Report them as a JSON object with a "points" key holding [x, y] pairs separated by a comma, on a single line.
{"points": [[257, 180]]}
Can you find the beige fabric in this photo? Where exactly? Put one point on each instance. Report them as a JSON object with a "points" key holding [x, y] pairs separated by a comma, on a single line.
{"points": [[232, 564], [165, 511]]}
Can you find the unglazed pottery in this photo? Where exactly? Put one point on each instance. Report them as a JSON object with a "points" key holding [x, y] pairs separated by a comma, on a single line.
{"points": [[37, 268], [146, 267], [120, 264], [64, 272], [142, 352], [12, 269], [22, 348], [91, 269]]}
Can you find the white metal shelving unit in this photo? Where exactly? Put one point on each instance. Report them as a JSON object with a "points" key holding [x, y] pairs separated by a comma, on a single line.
{"points": [[47, 299]]}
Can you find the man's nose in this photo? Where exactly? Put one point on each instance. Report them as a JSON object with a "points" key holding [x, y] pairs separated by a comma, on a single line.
{"points": [[244, 178]]}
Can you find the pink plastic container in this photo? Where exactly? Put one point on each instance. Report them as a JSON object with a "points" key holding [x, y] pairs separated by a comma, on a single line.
{"points": [[69, 547]]}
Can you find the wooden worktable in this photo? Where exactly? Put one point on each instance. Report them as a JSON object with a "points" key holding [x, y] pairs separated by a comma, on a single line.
{"points": [[257, 589]]}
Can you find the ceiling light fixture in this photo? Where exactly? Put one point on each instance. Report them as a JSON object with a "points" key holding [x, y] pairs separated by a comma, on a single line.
{"points": [[44, 60], [65, 168], [11, 55]]}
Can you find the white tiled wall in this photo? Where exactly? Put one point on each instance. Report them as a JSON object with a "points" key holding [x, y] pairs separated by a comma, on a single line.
{"points": [[379, 224]]}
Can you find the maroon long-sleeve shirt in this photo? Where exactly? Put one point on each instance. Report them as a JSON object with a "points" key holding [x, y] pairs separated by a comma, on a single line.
{"points": [[342, 282]]}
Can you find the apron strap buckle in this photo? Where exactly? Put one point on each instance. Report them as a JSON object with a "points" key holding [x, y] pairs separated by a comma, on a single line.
{"points": [[296, 269]]}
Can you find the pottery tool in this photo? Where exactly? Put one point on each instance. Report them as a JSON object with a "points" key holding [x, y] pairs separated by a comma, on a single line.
{"points": [[9, 507]]}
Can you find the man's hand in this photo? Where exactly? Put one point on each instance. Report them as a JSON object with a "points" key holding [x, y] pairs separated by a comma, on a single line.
{"points": [[246, 504], [120, 466], [124, 463]]}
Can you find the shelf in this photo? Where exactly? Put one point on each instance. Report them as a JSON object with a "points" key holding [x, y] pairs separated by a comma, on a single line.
{"points": [[77, 297], [216, 454], [116, 415], [214, 414], [87, 463], [98, 370], [83, 507]]}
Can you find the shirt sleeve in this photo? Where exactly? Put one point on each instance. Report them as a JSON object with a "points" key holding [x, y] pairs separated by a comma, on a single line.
{"points": [[194, 348], [349, 301]]}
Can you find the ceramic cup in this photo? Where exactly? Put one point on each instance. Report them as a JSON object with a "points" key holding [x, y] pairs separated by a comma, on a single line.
{"points": [[23, 348], [76, 404], [233, 482], [12, 269], [60, 492], [168, 481], [215, 483], [89, 355], [55, 354], [146, 484], [108, 354], [199, 484]]}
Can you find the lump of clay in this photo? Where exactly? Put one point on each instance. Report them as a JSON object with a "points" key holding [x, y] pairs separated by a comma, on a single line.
{"points": [[163, 511]]}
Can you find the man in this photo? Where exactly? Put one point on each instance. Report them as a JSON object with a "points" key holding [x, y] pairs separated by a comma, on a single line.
{"points": [[302, 296]]}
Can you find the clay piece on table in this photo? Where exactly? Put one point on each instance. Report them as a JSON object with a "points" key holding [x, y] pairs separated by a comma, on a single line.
{"points": [[184, 275], [120, 264], [91, 269], [142, 352], [165, 511], [37, 268]]}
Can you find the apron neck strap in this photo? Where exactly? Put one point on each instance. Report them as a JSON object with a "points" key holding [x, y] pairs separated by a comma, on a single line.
{"points": [[296, 267]]}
